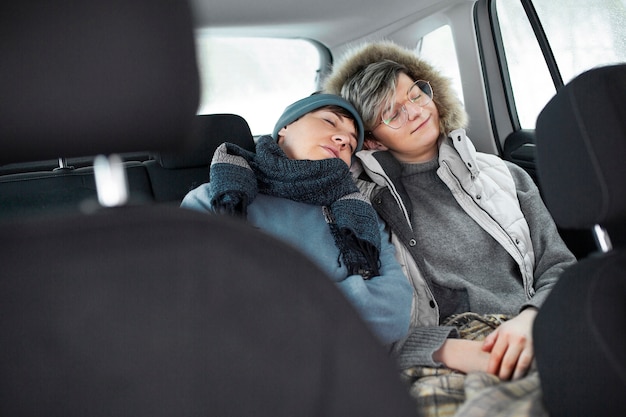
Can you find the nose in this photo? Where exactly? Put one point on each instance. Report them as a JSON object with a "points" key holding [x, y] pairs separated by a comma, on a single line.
{"points": [[413, 110], [342, 138]]}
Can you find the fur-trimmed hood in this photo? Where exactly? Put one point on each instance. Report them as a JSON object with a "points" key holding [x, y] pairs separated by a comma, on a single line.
{"points": [[452, 115]]}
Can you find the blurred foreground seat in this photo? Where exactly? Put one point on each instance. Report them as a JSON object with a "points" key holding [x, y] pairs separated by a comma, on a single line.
{"points": [[580, 332], [152, 310]]}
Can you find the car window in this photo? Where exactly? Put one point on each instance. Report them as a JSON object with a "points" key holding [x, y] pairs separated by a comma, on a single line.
{"points": [[581, 36], [437, 47], [255, 78]]}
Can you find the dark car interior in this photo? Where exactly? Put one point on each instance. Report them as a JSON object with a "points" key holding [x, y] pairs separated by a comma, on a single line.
{"points": [[130, 308], [114, 301]]}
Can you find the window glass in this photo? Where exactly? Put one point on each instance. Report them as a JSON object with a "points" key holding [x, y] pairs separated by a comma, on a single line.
{"points": [[528, 72], [584, 34], [255, 78], [437, 48], [581, 36]]}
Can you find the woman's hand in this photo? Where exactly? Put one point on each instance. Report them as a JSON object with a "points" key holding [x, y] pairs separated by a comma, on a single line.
{"points": [[510, 346], [463, 355]]}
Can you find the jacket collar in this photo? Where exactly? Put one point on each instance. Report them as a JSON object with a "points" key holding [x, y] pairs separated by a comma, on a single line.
{"points": [[384, 170], [456, 145]]}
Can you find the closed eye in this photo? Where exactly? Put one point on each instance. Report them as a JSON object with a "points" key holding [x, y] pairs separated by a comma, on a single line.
{"points": [[416, 98], [392, 117]]}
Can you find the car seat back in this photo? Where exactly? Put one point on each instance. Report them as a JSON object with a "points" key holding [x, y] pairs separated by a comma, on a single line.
{"points": [[153, 310], [580, 331], [174, 174]]}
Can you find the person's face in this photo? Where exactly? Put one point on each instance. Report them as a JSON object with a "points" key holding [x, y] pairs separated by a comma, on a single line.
{"points": [[416, 141], [321, 134]]}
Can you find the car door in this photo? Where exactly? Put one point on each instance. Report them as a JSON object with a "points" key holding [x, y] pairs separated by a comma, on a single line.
{"points": [[540, 46]]}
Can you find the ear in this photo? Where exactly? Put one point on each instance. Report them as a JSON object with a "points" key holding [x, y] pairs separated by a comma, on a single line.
{"points": [[373, 144]]}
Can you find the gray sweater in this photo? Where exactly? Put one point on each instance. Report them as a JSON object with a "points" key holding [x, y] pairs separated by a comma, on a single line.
{"points": [[485, 278], [466, 268]]}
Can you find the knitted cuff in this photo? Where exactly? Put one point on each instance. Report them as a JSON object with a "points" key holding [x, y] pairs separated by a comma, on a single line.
{"points": [[418, 347]]}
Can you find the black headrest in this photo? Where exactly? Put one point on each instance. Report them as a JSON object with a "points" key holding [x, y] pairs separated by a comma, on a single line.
{"points": [[208, 132], [581, 150], [82, 77]]}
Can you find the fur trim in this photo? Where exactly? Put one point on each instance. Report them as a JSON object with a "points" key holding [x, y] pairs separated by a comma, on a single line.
{"points": [[452, 115]]}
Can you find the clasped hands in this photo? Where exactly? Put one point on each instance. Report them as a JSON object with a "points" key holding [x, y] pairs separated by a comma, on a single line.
{"points": [[507, 352]]}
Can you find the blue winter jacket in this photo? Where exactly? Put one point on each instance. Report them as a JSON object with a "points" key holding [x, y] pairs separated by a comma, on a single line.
{"points": [[384, 302]]}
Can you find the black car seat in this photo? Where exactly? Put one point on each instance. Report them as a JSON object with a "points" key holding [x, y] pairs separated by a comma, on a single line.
{"points": [[174, 174], [152, 310], [580, 332]]}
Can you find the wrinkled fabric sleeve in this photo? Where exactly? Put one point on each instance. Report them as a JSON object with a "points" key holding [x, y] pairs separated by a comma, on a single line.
{"points": [[384, 301], [421, 343], [198, 199]]}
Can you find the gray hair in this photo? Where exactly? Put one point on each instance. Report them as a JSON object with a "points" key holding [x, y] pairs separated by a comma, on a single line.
{"points": [[373, 88], [351, 68]]}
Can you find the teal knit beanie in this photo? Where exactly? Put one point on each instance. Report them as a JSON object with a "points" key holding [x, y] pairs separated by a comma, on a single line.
{"points": [[313, 102]]}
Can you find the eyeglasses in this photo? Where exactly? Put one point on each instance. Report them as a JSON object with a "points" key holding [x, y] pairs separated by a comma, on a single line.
{"points": [[420, 93]]}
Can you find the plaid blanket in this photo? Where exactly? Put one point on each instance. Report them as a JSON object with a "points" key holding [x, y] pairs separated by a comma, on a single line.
{"points": [[441, 392]]}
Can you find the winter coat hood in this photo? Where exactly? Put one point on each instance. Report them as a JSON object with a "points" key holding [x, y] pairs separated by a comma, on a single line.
{"points": [[452, 115]]}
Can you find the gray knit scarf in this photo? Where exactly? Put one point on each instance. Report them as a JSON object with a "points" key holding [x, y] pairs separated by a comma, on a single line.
{"points": [[237, 175]]}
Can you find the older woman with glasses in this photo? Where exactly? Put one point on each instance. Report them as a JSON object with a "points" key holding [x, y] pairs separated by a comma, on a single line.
{"points": [[470, 229]]}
